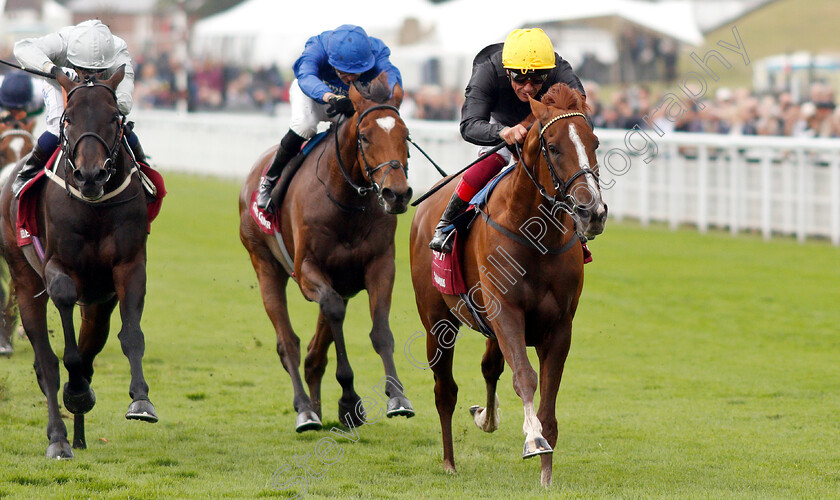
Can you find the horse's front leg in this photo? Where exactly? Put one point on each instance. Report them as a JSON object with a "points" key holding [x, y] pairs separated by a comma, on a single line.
{"points": [[78, 396], [552, 353], [509, 325], [317, 287], [33, 317], [130, 285], [379, 282]]}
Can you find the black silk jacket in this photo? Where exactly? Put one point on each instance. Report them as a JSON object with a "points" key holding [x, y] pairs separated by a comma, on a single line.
{"points": [[489, 93]]}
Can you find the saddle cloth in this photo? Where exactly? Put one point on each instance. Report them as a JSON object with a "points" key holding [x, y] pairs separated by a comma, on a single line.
{"points": [[27, 225]]}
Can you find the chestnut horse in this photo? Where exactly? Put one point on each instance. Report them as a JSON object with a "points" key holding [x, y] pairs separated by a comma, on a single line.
{"points": [[530, 297], [93, 221], [337, 223], [16, 141]]}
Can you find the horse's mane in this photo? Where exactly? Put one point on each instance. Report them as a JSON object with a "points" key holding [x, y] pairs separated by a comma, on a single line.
{"points": [[376, 91], [561, 96]]}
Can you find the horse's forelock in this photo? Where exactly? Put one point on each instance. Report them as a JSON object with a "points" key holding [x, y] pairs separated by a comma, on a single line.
{"points": [[376, 91], [563, 97]]}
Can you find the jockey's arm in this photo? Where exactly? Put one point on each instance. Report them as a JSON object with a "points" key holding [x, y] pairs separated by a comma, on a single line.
{"points": [[125, 90], [307, 68], [41, 53], [479, 100]]}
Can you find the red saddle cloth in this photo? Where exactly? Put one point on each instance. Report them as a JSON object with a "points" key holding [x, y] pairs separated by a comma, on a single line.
{"points": [[266, 221], [447, 274], [27, 225]]}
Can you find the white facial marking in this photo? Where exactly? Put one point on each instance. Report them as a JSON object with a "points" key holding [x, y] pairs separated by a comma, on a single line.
{"points": [[583, 160], [386, 123]]}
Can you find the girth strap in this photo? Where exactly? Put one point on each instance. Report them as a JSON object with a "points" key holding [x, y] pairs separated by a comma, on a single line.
{"points": [[522, 241]]}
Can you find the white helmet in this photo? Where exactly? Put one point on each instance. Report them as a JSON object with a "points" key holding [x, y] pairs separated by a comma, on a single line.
{"points": [[91, 46]]}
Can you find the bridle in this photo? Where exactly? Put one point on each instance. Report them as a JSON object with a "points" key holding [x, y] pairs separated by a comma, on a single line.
{"points": [[565, 200], [69, 152], [369, 171]]}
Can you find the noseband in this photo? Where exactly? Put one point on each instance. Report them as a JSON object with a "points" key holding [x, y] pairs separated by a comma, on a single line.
{"points": [[113, 150], [369, 171]]}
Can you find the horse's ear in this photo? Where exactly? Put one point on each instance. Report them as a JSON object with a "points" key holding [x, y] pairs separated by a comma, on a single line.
{"points": [[116, 78], [538, 109], [530, 148], [65, 81], [396, 96], [355, 96]]}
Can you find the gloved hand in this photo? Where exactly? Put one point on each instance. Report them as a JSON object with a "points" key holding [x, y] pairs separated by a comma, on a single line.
{"points": [[341, 105]]}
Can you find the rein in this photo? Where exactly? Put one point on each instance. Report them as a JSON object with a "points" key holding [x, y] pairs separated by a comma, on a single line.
{"points": [[392, 164]]}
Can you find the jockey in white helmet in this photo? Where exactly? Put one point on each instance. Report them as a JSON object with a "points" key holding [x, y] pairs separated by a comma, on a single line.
{"points": [[91, 50]]}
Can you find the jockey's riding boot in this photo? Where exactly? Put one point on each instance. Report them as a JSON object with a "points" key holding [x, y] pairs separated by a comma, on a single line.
{"points": [[289, 148], [441, 241], [139, 154], [33, 165]]}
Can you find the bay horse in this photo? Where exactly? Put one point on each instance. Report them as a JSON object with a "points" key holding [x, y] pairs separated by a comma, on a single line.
{"points": [[530, 297], [16, 141], [93, 219], [337, 222]]}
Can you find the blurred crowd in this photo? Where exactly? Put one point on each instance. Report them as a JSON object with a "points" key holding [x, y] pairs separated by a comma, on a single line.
{"points": [[729, 111], [213, 86]]}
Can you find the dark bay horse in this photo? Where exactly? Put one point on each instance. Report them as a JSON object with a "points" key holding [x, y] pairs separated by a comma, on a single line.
{"points": [[16, 141], [337, 224], [93, 221], [529, 287]]}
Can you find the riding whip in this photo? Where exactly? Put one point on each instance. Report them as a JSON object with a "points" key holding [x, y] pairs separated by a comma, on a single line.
{"points": [[22, 68], [456, 174]]}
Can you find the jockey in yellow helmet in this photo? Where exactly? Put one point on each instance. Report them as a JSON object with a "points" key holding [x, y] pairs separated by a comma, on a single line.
{"points": [[504, 76]]}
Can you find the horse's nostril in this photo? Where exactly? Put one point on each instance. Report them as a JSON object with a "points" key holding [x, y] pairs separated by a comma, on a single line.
{"points": [[388, 195], [101, 176], [78, 176]]}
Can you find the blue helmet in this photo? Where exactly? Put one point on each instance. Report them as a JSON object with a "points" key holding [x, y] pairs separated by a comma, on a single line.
{"points": [[349, 50], [16, 90]]}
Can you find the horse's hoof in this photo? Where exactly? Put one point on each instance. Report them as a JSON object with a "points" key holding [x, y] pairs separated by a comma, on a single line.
{"points": [[538, 446], [60, 450], [78, 403], [351, 415], [142, 409], [399, 406], [473, 410], [307, 421], [6, 349]]}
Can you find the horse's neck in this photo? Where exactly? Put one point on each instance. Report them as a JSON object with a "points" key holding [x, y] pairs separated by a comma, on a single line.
{"points": [[520, 202], [347, 155]]}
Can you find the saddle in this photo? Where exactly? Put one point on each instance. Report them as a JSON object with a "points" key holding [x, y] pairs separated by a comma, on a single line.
{"points": [[27, 224]]}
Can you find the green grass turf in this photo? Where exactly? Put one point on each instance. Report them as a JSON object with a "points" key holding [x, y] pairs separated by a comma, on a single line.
{"points": [[702, 366]]}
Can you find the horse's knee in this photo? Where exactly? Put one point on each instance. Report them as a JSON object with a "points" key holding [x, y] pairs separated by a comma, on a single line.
{"points": [[62, 291], [382, 340], [333, 307]]}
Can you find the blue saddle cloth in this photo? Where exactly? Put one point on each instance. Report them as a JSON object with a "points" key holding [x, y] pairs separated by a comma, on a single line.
{"points": [[311, 143], [481, 197]]}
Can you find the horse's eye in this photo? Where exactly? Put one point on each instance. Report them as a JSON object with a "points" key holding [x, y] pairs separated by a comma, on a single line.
{"points": [[553, 149], [364, 139]]}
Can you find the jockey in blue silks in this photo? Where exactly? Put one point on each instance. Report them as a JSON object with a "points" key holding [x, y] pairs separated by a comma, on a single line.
{"points": [[330, 62]]}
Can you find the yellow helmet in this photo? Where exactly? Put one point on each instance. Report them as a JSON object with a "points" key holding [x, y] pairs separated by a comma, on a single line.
{"points": [[528, 50]]}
